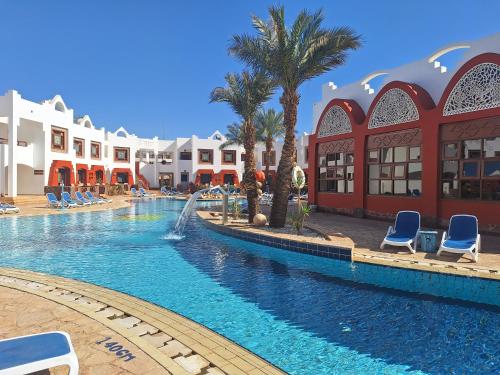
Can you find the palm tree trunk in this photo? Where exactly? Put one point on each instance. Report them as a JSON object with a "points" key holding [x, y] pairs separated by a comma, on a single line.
{"points": [[250, 170], [289, 100], [269, 148]]}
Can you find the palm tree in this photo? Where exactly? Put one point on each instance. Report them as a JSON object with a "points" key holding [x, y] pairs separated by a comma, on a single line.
{"points": [[245, 93], [269, 126], [292, 56], [234, 136]]}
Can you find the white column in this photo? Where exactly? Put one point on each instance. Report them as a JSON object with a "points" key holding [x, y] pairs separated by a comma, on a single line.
{"points": [[2, 169], [47, 149], [12, 156], [155, 182]]}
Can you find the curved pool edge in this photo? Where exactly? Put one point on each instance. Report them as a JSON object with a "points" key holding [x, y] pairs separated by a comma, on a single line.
{"points": [[456, 284], [218, 354], [291, 242], [304, 245]]}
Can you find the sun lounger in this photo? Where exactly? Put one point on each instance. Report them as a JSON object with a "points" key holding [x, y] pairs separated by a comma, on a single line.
{"points": [[462, 237], [33, 353], [95, 200], [144, 193], [53, 201], [67, 200], [135, 193], [81, 200], [405, 232], [8, 208]]}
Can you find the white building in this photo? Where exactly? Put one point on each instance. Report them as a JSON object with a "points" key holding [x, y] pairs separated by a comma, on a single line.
{"points": [[47, 146]]}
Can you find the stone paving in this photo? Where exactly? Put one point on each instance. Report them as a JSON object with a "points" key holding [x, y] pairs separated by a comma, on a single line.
{"points": [[161, 341], [23, 313], [38, 206]]}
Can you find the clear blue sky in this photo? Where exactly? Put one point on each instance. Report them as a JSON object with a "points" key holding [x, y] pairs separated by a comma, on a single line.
{"points": [[150, 65]]}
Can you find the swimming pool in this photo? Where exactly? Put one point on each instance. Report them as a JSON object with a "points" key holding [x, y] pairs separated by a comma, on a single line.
{"points": [[305, 314]]}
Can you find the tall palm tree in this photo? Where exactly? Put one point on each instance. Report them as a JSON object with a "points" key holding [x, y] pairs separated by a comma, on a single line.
{"points": [[245, 93], [234, 136], [292, 56], [269, 126]]}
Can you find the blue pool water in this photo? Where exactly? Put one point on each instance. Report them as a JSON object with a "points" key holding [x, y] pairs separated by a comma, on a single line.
{"points": [[305, 314]]}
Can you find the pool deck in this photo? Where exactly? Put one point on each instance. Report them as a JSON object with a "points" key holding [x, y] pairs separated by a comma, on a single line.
{"points": [[161, 341], [363, 237], [37, 205]]}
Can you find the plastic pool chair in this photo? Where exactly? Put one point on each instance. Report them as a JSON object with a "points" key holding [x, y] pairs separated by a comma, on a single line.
{"points": [[135, 193], [80, 199], [405, 232], [144, 193], [8, 208], [462, 236], [93, 199], [66, 200], [27, 354], [53, 201]]}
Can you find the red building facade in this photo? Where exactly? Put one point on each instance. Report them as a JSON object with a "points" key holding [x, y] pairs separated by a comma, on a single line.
{"points": [[409, 153]]}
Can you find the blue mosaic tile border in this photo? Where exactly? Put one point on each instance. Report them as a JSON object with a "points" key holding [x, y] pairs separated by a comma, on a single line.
{"points": [[325, 251]]}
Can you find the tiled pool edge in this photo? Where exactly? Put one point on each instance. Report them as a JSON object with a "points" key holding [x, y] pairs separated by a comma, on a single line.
{"points": [[325, 251], [420, 280], [223, 355]]}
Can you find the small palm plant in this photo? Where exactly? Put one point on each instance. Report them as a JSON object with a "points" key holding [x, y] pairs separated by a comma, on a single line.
{"points": [[245, 93], [236, 209], [292, 56], [269, 125], [297, 217]]}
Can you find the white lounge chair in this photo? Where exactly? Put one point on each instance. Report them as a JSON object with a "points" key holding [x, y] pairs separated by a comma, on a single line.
{"points": [[27, 354], [462, 237], [405, 232], [8, 208]]}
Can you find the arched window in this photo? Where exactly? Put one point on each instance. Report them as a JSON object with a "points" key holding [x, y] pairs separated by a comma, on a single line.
{"points": [[478, 89], [334, 122], [87, 124], [122, 134], [60, 107], [394, 107]]}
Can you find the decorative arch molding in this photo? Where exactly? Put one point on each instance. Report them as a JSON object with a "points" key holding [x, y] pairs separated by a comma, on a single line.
{"points": [[86, 122], [476, 72], [338, 118], [121, 132], [58, 103], [477, 89], [398, 103], [394, 107], [334, 122]]}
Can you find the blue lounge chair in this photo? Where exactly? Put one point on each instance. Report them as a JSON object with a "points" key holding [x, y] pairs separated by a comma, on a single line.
{"points": [[135, 193], [95, 200], [9, 208], [81, 200], [165, 191], [405, 232], [53, 201], [67, 200], [33, 353], [144, 193], [462, 237]]}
